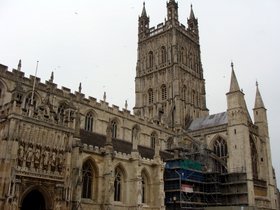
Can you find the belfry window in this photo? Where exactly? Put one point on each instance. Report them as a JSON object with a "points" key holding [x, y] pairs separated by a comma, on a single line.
{"points": [[163, 55], [89, 122], [220, 150], [150, 96], [163, 92], [150, 59], [87, 180]]}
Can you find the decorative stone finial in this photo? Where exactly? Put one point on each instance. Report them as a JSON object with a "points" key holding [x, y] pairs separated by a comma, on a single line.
{"points": [[104, 96], [52, 77], [232, 66], [125, 104], [80, 87], [19, 65]]}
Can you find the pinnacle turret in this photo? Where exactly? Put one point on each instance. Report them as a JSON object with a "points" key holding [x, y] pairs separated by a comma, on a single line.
{"points": [[144, 13], [192, 17], [258, 100], [233, 82]]}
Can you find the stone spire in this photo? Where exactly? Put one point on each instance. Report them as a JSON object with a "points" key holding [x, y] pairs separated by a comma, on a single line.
{"points": [[80, 87], [144, 13], [51, 78], [258, 100], [192, 17], [233, 82]]}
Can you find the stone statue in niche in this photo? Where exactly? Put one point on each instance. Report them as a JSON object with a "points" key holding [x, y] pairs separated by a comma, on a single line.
{"points": [[29, 156], [37, 158], [20, 155], [46, 159], [53, 161]]}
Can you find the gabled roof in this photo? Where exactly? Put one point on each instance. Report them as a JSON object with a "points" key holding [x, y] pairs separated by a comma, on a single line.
{"points": [[208, 121]]}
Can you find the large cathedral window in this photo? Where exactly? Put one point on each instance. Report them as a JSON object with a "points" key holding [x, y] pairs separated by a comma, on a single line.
{"points": [[87, 180], [150, 96], [254, 158], [221, 151], [163, 92], [89, 122]]}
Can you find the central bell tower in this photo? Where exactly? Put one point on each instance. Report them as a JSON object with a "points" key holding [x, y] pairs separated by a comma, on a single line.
{"points": [[169, 83]]}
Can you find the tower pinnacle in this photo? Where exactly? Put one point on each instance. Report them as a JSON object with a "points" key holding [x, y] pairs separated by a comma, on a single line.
{"points": [[233, 82], [258, 100], [144, 13]]}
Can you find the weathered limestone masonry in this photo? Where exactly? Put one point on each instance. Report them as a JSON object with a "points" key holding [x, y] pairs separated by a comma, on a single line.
{"points": [[60, 150]]}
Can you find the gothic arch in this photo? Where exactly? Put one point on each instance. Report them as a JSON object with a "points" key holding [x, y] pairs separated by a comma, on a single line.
{"points": [[90, 120], [89, 179], [115, 123], [254, 157], [153, 139], [49, 202], [169, 143], [28, 97], [145, 186], [220, 153], [120, 177]]}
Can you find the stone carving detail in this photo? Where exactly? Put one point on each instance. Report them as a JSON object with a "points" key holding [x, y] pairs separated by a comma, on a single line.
{"points": [[38, 158]]}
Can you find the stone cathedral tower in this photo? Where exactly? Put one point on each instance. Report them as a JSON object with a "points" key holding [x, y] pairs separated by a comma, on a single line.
{"points": [[169, 83]]}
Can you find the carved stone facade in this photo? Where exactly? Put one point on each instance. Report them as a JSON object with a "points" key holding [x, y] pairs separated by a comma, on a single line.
{"points": [[60, 150]]}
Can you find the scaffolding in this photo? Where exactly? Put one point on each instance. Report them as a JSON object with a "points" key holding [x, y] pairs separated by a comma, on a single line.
{"points": [[188, 185]]}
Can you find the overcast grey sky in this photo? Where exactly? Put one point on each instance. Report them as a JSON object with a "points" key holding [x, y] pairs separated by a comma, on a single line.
{"points": [[95, 42]]}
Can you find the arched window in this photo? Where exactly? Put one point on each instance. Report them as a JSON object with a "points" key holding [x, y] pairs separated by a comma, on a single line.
{"points": [[114, 129], [169, 143], [254, 158], [150, 96], [163, 92], [118, 184], [220, 150], [150, 59], [153, 140], [89, 121], [30, 100], [163, 55], [144, 188], [87, 180]]}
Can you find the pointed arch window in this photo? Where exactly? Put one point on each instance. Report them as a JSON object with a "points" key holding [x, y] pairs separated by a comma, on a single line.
{"points": [[114, 129], [169, 143], [254, 158], [144, 188], [163, 92], [87, 180], [89, 122], [30, 100], [153, 140], [150, 96], [221, 151], [163, 55], [118, 185], [150, 59]]}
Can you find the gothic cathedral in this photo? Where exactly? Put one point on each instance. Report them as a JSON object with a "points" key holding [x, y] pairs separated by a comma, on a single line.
{"points": [[61, 150]]}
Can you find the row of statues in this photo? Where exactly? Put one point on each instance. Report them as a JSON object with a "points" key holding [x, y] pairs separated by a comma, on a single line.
{"points": [[31, 156]]}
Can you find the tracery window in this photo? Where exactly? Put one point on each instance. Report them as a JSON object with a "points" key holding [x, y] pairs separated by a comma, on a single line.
{"points": [[150, 59], [163, 92], [254, 158], [221, 151], [89, 121], [163, 54], [118, 185], [87, 180], [150, 96]]}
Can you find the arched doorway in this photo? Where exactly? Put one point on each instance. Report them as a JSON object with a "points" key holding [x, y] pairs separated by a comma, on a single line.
{"points": [[34, 200]]}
